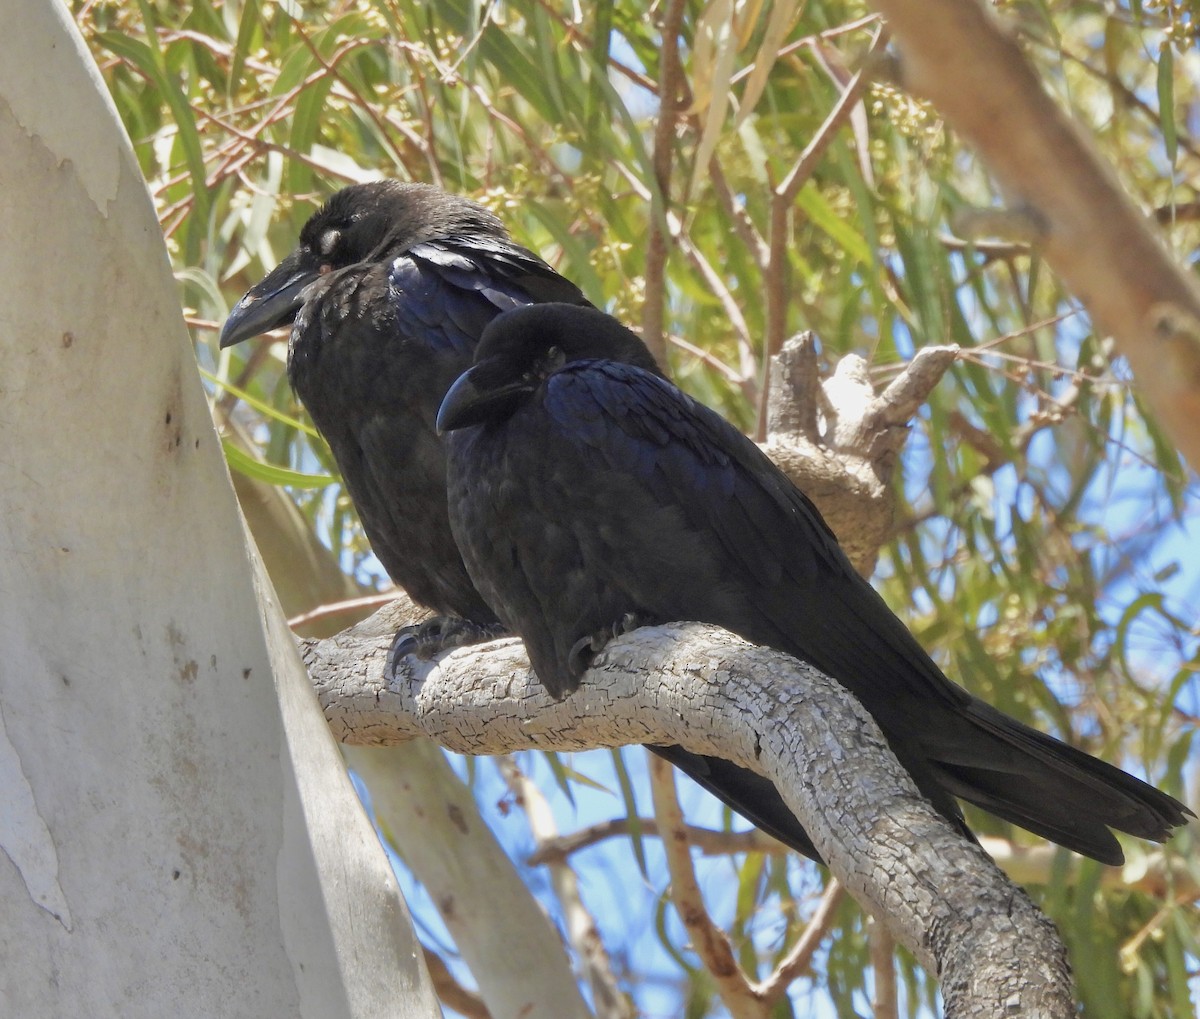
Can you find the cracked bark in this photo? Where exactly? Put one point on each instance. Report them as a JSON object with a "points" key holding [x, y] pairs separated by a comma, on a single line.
{"points": [[706, 690]]}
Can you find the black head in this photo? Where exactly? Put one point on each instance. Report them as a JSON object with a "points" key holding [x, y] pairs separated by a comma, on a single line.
{"points": [[520, 348], [361, 223]]}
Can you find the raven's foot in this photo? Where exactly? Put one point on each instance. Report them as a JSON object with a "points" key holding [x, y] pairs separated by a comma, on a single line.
{"points": [[441, 633], [584, 651]]}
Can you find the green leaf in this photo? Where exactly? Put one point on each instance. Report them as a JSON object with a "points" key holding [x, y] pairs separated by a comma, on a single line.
{"points": [[632, 816], [822, 216], [264, 408], [148, 59], [248, 27], [562, 775], [244, 463], [1166, 100]]}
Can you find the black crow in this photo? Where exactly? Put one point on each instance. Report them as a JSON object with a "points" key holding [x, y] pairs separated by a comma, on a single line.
{"points": [[388, 293], [586, 491]]}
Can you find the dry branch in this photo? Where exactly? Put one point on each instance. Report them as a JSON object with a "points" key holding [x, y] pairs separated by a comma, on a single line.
{"points": [[958, 55], [839, 441], [708, 941], [708, 691], [706, 841], [581, 932], [798, 961]]}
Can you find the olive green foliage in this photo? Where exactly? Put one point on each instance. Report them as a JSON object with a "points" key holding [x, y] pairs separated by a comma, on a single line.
{"points": [[1045, 545]]}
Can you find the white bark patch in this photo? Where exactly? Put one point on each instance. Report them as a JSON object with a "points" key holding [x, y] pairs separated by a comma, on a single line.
{"points": [[25, 836], [78, 127]]}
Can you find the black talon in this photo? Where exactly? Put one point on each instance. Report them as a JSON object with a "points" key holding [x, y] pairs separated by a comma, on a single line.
{"points": [[441, 633], [584, 651], [628, 623]]}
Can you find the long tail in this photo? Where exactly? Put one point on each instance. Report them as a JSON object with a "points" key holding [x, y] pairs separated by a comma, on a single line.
{"points": [[1049, 788]]}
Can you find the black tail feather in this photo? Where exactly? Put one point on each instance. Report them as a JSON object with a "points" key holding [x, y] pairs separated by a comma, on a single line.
{"points": [[751, 795], [1052, 789]]}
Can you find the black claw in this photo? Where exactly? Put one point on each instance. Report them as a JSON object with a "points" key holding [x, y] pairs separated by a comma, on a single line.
{"points": [[441, 633], [583, 651], [627, 623], [403, 645]]}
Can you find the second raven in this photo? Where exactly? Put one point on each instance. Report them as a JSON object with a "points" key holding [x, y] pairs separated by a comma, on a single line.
{"points": [[585, 490]]}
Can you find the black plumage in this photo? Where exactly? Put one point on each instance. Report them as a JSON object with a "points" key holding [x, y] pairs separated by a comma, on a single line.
{"points": [[389, 289], [388, 292], [584, 490]]}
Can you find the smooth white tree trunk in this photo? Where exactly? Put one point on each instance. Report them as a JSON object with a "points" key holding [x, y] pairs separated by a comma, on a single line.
{"points": [[179, 836]]}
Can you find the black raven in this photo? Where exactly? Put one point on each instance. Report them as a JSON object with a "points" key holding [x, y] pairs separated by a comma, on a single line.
{"points": [[388, 292], [586, 492]]}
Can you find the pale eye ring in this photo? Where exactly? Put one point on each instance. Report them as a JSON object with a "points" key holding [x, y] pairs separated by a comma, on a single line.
{"points": [[553, 360], [329, 241]]}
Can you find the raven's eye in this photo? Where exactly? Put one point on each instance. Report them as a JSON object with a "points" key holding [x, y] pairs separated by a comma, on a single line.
{"points": [[548, 363], [329, 242]]}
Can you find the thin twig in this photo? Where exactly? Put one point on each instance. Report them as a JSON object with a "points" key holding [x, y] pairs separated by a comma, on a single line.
{"points": [[799, 960], [339, 608], [582, 932], [707, 939], [707, 357], [670, 78], [803, 168], [735, 211], [714, 280], [332, 69], [706, 840], [783, 197]]}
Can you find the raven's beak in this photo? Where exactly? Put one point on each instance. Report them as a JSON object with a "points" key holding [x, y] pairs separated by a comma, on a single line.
{"points": [[472, 400], [269, 304]]}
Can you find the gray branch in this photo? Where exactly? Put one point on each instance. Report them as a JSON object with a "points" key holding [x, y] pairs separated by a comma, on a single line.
{"points": [[964, 56], [702, 688], [839, 441]]}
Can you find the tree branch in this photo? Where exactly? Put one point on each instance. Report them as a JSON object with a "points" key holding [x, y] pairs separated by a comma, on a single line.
{"points": [[708, 940], [706, 840], [1158, 875], [958, 55], [798, 961], [882, 950], [582, 932], [670, 80], [839, 441], [701, 688], [783, 197]]}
